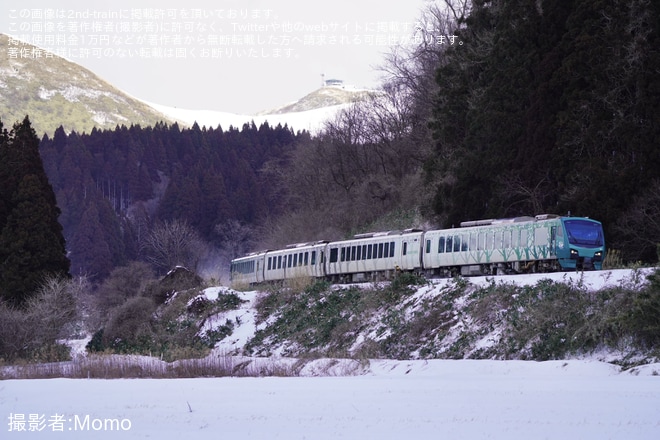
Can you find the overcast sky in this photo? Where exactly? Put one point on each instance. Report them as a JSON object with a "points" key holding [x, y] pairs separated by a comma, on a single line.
{"points": [[228, 55]]}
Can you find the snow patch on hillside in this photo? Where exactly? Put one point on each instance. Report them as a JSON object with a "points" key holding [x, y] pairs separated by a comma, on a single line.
{"points": [[460, 323], [311, 120]]}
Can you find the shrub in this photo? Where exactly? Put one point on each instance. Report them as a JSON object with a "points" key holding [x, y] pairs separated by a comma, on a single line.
{"points": [[177, 280], [31, 333], [129, 329], [123, 283], [642, 318]]}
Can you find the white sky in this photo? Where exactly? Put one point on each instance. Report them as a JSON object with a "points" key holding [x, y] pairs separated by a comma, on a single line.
{"points": [[228, 55]]}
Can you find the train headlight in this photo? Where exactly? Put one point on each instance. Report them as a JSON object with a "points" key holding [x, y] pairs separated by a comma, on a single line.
{"points": [[574, 253], [598, 255]]}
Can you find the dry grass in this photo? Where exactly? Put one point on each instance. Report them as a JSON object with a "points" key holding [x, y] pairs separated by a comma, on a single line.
{"points": [[131, 366], [613, 259], [299, 283]]}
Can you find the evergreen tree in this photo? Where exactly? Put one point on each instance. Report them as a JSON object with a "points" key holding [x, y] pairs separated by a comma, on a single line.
{"points": [[91, 254], [548, 106], [31, 240]]}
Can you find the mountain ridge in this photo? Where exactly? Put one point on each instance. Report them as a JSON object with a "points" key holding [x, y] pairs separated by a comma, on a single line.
{"points": [[56, 92]]}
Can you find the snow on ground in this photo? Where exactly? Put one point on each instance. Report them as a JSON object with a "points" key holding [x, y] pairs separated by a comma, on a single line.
{"points": [[359, 399], [396, 399], [592, 280]]}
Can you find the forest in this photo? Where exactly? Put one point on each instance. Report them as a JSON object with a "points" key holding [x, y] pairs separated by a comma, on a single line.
{"points": [[531, 107], [116, 187]]}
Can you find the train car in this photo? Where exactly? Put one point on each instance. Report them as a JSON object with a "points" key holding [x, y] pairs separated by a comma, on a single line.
{"points": [[521, 244], [297, 260], [248, 269], [580, 244], [373, 256]]}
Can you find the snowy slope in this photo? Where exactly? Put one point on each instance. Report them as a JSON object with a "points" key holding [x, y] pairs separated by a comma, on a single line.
{"points": [[310, 120], [595, 280], [354, 399]]}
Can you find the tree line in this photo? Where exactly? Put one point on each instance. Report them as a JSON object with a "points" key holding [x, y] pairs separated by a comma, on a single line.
{"points": [[117, 188]]}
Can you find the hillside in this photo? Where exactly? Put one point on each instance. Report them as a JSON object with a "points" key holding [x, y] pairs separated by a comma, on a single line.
{"points": [[526, 317], [54, 92], [308, 113], [328, 96], [608, 316]]}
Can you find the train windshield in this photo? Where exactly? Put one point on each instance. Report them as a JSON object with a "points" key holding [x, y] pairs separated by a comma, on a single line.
{"points": [[584, 233]]}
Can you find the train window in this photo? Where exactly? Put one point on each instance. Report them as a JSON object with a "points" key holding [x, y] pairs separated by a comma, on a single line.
{"points": [[352, 253], [449, 244], [464, 242], [295, 260], [358, 255], [333, 255], [497, 242], [364, 251], [369, 252], [386, 252], [313, 261], [279, 262], [391, 249], [441, 245], [457, 243], [473, 241], [506, 239], [428, 246], [380, 250], [404, 250], [268, 267], [540, 236], [343, 254], [306, 258]]}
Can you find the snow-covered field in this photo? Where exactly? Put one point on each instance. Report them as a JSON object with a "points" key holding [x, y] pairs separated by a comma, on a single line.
{"points": [[394, 400], [377, 399]]}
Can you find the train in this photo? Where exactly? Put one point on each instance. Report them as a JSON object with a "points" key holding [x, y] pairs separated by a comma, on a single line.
{"points": [[542, 243]]}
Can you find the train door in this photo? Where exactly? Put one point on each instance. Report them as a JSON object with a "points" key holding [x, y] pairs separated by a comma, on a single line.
{"points": [[553, 240]]}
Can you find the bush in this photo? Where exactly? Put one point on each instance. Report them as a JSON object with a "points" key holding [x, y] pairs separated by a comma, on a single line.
{"points": [[177, 280], [31, 333], [642, 318], [129, 329], [123, 283]]}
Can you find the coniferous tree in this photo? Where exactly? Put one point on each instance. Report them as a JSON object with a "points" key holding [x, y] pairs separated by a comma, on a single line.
{"points": [[31, 241], [549, 106]]}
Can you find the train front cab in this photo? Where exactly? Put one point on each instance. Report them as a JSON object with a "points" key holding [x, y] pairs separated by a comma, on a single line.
{"points": [[580, 244]]}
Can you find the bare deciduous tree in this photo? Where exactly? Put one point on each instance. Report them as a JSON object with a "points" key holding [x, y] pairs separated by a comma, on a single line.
{"points": [[174, 243], [235, 238], [48, 316]]}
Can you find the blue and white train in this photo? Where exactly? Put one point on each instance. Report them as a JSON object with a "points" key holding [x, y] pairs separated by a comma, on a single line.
{"points": [[483, 247]]}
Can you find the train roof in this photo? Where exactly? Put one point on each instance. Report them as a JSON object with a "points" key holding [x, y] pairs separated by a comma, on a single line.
{"points": [[498, 221], [386, 233]]}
